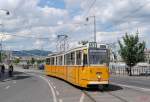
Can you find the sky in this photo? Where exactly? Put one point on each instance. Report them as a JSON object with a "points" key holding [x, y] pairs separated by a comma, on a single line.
{"points": [[35, 24]]}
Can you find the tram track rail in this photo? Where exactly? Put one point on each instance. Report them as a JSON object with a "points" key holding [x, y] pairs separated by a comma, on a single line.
{"points": [[120, 98], [109, 93], [89, 96]]}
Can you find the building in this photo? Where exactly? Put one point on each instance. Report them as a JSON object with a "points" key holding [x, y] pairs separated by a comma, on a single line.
{"points": [[147, 55]]}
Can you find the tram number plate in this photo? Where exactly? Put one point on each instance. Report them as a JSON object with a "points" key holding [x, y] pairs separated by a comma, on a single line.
{"points": [[93, 45]]}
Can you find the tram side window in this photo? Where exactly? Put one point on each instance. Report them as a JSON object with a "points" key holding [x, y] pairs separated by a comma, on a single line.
{"points": [[70, 58], [78, 57], [48, 61], [65, 59], [60, 58], [52, 60], [56, 63]]}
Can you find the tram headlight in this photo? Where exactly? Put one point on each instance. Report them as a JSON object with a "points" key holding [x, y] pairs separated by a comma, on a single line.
{"points": [[99, 75]]}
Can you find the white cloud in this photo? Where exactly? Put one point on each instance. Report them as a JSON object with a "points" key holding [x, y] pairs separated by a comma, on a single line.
{"points": [[27, 18], [113, 19]]}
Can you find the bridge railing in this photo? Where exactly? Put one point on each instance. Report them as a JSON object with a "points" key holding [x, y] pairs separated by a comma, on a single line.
{"points": [[122, 70]]}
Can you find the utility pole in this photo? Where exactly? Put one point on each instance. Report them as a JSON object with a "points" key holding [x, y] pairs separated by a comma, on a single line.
{"points": [[94, 29], [94, 25], [7, 13]]}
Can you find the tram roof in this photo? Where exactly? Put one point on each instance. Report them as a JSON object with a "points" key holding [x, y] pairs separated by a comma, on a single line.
{"points": [[70, 50], [74, 49]]}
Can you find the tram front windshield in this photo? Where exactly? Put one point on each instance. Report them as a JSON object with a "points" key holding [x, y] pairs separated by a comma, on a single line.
{"points": [[97, 56]]}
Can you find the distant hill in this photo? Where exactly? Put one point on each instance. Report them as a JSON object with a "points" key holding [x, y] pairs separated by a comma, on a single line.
{"points": [[31, 53]]}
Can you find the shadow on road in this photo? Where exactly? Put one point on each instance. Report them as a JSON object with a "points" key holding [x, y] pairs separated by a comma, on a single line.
{"points": [[17, 73], [16, 76], [20, 77], [93, 88], [110, 88], [113, 87]]}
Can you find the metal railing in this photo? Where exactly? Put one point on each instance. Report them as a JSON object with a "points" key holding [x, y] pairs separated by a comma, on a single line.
{"points": [[122, 70]]}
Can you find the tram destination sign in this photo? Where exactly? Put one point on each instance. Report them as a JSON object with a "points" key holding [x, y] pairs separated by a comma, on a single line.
{"points": [[97, 51]]}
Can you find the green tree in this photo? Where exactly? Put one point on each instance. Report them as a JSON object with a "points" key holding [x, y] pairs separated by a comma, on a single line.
{"points": [[17, 60], [131, 51], [39, 61], [28, 62], [2, 56], [32, 60]]}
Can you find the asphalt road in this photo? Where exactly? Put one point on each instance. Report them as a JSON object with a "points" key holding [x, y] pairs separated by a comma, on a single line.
{"points": [[116, 92], [34, 86], [24, 88], [137, 81]]}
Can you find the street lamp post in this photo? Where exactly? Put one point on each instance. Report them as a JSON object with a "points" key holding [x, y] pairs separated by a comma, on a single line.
{"points": [[94, 18], [7, 13]]}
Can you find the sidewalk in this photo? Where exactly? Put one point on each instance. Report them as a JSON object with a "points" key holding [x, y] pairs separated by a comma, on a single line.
{"points": [[18, 73], [130, 77], [30, 70]]}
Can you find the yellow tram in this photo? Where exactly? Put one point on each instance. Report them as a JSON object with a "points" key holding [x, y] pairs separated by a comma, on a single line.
{"points": [[82, 66]]}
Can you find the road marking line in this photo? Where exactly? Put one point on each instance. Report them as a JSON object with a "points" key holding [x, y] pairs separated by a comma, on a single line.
{"points": [[60, 100], [53, 92], [57, 92], [7, 87], [82, 97], [133, 87]]}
